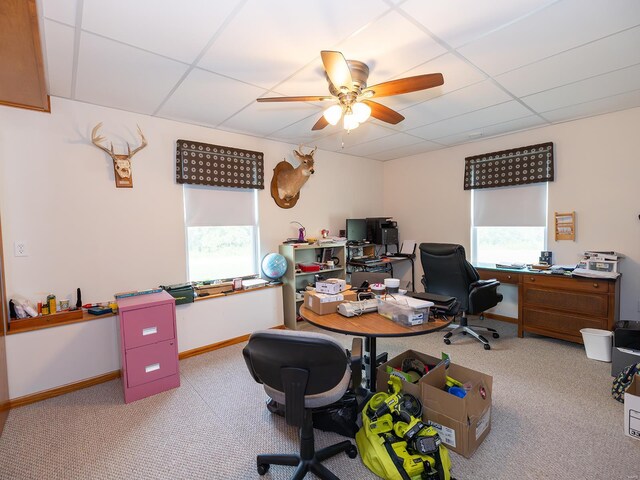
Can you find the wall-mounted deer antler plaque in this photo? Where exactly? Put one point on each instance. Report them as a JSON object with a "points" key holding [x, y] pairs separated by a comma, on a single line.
{"points": [[287, 181], [121, 161]]}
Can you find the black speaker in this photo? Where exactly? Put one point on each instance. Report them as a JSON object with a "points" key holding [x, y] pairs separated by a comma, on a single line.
{"points": [[389, 236]]}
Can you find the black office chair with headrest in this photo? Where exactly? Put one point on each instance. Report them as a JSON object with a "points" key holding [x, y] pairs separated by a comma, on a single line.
{"points": [[303, 370], [447, 272]]}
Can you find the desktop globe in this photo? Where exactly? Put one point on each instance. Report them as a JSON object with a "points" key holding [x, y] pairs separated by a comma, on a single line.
{"points": [[274, 266]]}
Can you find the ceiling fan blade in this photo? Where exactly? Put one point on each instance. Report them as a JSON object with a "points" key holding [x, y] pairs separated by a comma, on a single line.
{"points": [[406, 85], [320, 124], [383, 113], [308, 98], [337, 69]]}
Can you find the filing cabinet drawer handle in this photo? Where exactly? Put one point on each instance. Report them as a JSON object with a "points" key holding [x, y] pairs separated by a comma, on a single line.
{"points": [[149, 331], [152, 368]]}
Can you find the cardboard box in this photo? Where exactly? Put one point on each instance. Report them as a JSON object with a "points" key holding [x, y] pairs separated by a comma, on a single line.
{"points": [[331, 285], [382, 377], [463, 423], [322, 303], [632, 408]]}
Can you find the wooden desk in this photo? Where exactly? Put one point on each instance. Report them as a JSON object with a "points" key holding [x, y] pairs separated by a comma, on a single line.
{"points": [[370, 326], [559, 306]]}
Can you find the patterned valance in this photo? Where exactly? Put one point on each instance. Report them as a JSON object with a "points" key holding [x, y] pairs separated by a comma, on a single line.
{"points": [[204, 164], [518, 166]]}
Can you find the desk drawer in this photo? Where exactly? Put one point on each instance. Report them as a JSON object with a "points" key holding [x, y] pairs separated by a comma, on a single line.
{"points": [[543, 320], [570, 301], [568, 283], [148, 325], [151, 362], [502, 277]]}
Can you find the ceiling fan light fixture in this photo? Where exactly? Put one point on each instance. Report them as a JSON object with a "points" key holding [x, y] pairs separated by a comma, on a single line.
{"points": [[361, 111], [350, 121], [333, 114]]}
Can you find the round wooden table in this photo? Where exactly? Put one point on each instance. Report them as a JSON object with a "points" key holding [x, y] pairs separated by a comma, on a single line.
{"points": [[371, 326]]}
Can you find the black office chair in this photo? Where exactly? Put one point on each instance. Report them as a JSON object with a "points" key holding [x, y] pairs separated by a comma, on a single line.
{"points": [[303, 370], [447, 272]]}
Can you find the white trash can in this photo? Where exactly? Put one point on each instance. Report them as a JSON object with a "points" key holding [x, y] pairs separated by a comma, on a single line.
{"points": [[597, 343]]}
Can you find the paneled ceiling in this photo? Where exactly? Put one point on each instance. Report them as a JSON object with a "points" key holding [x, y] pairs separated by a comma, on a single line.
{"points": [[508, 65]]}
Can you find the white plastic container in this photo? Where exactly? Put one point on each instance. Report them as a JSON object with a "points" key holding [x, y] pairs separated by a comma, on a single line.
{"points": [[597, 343]]}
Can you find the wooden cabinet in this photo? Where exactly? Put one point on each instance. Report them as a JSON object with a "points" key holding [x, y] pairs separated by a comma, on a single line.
{"points": [[560, 306], [148, 345], [295, 280]]}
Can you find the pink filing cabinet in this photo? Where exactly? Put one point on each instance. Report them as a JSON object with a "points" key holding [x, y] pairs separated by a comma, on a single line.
{"points": [[148, 345]]}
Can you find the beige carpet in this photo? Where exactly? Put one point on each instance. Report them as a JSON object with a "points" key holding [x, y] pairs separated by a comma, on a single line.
{"points": [[553, 418]]}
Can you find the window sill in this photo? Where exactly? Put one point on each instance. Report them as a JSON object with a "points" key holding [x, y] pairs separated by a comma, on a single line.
{"points": [[48, 321]]}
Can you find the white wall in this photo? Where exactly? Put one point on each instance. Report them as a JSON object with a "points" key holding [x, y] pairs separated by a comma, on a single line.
{"points": [[597, 170], [59, 197]]}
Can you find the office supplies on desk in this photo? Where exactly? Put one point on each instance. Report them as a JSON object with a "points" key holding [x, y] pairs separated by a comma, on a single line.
{"points": [[351, 309]]}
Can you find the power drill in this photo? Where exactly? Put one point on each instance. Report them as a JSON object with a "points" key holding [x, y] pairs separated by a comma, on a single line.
{"points": [[423, 440], [397, 402]]}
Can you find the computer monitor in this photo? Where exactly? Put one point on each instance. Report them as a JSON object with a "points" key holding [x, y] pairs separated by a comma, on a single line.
{"points": [[356, 230]]}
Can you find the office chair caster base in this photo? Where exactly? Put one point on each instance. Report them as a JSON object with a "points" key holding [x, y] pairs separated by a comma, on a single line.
{"points": [[304, 465], [447, 341], [496, 335], [487, 346]]}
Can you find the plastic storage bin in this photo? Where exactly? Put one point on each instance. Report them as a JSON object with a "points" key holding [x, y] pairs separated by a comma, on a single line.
{"points": [[597, 343], [403, 313]]}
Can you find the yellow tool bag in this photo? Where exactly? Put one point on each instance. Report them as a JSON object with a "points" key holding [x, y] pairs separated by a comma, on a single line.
{"points": [[395, 444]]}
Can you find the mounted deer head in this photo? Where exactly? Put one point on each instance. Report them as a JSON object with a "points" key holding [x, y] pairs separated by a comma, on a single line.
{"points": [[291, 181], [121, 162]]}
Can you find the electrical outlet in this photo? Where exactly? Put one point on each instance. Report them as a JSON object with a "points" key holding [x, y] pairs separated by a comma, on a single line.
{"points": [[20, 249]]}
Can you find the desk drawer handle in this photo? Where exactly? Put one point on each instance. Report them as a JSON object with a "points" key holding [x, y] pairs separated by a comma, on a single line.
{"points": [[149, 331], [532, 279], [152, 368], [595, 285], [509, 277]]}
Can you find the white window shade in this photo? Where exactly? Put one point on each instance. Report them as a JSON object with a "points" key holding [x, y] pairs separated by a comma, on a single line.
{"points": [[211, 206], [520, 205]]}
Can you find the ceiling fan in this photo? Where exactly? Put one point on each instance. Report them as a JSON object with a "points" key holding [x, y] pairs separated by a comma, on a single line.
{"points": [[348, 85]]}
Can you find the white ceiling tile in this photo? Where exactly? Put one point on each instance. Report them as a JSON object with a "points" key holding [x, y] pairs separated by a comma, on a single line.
{"points": [[269, 41], [208, 99], [474, 97], [265, 118], [493, 130], [389, 55], [596, 107], [594, 88], [406, 151], [364, 133], [473, 120], [561, 26], [459, 21], [119, 76], [457, 74], [388, 142], [60, 10], [300, 132], [59, 61], [178, 30], [575, 64], [311, 80]]}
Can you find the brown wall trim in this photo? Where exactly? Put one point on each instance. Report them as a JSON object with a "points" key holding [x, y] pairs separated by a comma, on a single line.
{"points": [[90, 382], [216, 346], [70, 387]]}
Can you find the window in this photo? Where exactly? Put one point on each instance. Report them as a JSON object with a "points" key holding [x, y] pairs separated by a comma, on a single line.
{"points": [[509, 224], [222, 232]]}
